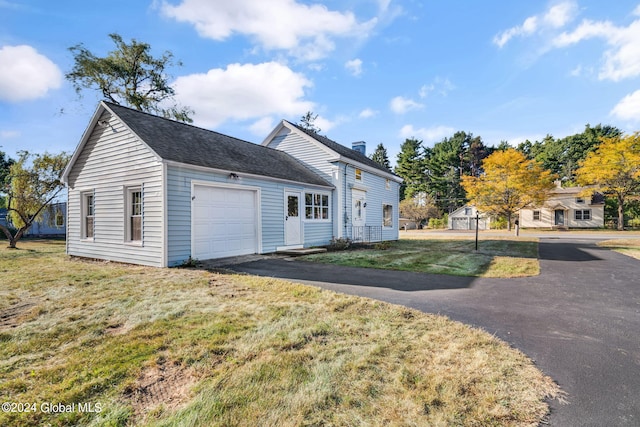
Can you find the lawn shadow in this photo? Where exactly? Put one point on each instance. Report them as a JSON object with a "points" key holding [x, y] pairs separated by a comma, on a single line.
{"points": [[310, 272]]}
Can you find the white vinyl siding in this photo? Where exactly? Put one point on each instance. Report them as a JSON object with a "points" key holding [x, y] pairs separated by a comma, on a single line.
{"points": [[112, 160], [272, 211]]}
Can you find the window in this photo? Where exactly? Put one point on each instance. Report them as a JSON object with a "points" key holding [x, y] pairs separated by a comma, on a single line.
{"points": [[387, 215], [88, 211], [387, 184], [134, 214], [536, 215], [59, 219], [467, 212], [358, 174], [579, 200], [583, 215], [316, 206]]}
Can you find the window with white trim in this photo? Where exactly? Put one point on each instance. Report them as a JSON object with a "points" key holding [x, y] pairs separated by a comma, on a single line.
{"points": [[387, 184], [134, 214], [358, 174], [88, 212], [582, 215], [316, 206], [536, 215], [387, 215]]}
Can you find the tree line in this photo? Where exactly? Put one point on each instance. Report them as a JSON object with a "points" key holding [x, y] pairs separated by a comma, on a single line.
{"points": [[462, 169]]}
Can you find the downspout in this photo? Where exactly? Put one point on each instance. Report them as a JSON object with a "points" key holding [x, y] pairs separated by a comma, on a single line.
{"points": [[344, 216]]}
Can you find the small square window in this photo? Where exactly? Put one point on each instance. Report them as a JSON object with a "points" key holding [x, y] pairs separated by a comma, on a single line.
{"points": [[536, 215], [579, 200], [316, 206]]}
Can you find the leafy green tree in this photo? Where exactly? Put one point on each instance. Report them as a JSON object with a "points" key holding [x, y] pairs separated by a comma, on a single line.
{"points": [[381, 157], [613, 169], [5, 164], [411, 168], [509, 183], [34, 181], [308, 122], [128, 75]]}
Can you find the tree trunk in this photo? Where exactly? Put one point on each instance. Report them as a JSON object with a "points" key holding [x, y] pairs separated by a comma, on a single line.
{"points": [[620, 212], [509, 222]]}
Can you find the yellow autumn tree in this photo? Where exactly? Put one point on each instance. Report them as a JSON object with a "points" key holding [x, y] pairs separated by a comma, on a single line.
{"points": [[614, 170], [509, 183]]}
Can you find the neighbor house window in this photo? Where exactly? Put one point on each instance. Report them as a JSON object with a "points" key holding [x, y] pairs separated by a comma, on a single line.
{"points": [[134, 214], [387, 184], [316, 206], [536, 215], [88, 212], [467, 211], [59, 219], [583, 215], [358, 174], [579, 200], [387, 215]]}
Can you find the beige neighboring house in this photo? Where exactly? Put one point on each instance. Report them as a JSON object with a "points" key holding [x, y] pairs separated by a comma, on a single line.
{"points": [[566, 208]]}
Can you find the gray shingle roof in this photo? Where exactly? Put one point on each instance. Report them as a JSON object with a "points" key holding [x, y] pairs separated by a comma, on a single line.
{"points": [[342, 150], [184, 143]]}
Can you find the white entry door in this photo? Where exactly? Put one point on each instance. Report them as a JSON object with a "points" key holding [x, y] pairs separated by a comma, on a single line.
{"points": [[359, 208], [292, 228]]}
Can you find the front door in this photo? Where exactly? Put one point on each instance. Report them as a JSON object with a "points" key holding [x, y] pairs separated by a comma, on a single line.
{"points": [[292, 228], [359, 208], [559, 217]]}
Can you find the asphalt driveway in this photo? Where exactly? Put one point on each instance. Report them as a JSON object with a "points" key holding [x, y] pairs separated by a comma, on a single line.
{"points": [[579, 320]]}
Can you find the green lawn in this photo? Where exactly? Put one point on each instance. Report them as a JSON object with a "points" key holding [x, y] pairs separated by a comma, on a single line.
{"points": [[183, 347], [494, 258]]}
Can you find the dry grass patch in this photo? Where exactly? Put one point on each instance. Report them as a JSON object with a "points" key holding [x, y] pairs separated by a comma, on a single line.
{"points": [[187, 347], [630, 247]]}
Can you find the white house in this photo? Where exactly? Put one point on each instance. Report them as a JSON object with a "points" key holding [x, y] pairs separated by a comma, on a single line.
{"points": [[565, 208], [147, 190], [464, 218]]}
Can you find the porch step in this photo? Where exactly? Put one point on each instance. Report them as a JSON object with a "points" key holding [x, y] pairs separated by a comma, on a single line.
{"points": [[301, 251]]}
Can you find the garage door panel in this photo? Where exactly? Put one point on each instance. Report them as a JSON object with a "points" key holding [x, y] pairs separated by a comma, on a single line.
{"points": [[224, 222]]}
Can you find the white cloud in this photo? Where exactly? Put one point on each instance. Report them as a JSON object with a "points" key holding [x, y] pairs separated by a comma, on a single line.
{"points": [[367, 113], [262, 127], [557, 16], [432, 134], [354, 66], [400, 105], [622, 59], [305, 31], [8, 134], [628, 108], [439, 86], [242, 92], [26, 74]]}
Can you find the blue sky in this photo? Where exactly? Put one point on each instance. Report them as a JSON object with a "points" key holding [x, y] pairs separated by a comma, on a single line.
{"points": [[374, 70]]}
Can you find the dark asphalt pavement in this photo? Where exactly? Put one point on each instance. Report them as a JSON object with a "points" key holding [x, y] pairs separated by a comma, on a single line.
{"points": [[579, 320]]}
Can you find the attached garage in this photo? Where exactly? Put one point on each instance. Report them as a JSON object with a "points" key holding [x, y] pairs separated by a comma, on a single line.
{"points": [[225, 221]]}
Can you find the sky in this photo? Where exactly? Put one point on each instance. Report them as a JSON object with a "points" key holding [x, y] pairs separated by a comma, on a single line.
{"points": [[378, 71]]}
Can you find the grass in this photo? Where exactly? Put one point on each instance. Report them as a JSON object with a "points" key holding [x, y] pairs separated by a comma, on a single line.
{"points": [[630, 247], [494, 258], [183, 347]]}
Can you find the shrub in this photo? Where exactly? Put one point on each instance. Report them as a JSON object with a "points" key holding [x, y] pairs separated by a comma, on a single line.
{"points": [[340, 244]]}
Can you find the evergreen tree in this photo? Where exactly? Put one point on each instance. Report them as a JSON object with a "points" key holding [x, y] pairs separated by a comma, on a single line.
{"points": [[410, 167], [380, 157]]}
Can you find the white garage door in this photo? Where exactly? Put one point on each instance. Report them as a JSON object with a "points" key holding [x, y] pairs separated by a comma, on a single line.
{"points": [[224, 222]]}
